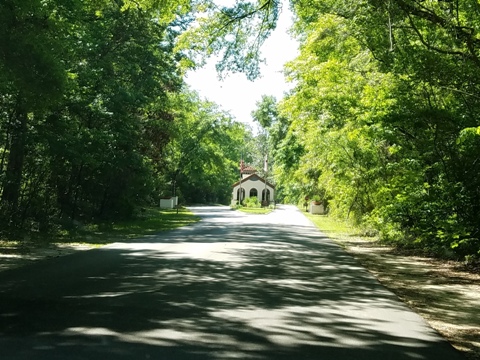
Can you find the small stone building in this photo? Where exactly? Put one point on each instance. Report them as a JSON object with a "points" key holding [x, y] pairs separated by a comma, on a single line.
{"points": [[252, 185]]}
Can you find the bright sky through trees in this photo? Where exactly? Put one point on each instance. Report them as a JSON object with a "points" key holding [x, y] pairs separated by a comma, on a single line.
{"points": [[237, 94]]}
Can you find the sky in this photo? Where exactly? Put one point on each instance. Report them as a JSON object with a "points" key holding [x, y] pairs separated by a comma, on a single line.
{"points": [[238, 95]]}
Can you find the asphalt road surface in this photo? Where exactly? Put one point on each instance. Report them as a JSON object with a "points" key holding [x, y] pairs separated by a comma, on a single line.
{"points": [[232, 286]]}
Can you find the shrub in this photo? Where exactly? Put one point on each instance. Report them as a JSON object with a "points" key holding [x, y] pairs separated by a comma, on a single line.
{"points": [[252, 202]]}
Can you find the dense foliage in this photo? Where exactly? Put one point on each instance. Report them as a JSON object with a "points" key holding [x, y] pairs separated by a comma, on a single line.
{"points": [[201, 159], [383, 122], [95, 119]]}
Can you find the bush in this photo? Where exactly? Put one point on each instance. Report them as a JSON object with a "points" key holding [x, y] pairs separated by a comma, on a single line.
{"points": [[252, 202]]}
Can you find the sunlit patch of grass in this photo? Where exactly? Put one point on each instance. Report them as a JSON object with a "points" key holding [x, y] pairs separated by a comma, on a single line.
{"points": [[342, 232], [335, 229], [150, 222], [255, 210], [9, 243], [10, 246]]}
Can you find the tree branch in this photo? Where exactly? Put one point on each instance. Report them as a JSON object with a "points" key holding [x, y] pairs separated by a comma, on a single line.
{"points": [[465, 34]]}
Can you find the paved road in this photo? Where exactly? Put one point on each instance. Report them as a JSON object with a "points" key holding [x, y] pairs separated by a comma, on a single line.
{"points": [[233, 286]]}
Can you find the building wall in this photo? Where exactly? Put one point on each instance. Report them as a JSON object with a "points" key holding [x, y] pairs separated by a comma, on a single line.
{"points": [[250, 184]]}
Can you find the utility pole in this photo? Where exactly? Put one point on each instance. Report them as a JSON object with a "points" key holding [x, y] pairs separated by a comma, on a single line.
{"points": [[265, 171], [240, 189]]}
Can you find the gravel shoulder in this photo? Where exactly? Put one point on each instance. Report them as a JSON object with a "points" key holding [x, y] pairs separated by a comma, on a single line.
{"points": [[444, 293]]}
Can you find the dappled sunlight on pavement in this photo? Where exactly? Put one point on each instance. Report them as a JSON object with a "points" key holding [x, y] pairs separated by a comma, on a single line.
{"points": [[233, 286]]}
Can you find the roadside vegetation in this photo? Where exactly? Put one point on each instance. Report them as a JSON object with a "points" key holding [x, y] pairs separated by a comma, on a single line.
{"points": [[253, 206], [148, 221], [382, 122], [255, 210], [335, 229]]}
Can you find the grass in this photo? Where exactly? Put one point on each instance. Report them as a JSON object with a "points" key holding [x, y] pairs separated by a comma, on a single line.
{"points": [[337, 230], [255, 210], [149, 222]]}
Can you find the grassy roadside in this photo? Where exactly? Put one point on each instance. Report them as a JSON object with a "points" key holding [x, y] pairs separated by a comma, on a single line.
{"points": [[442, 292], [336, 230], [248, 210], [151, 221]]}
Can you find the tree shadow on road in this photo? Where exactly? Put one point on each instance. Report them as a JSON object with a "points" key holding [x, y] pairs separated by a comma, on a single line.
{"points": [[268, 292]]}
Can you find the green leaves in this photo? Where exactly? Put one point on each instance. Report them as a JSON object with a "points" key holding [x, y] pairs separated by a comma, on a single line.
{"points": [[202, 156], [31, 52], [383, 110], [382, 120], [81, 153], [233, 34]]}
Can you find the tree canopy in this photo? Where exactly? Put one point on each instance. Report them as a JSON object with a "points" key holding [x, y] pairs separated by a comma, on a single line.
{"points": [[382, 122], [95, 117], [384, 118]]}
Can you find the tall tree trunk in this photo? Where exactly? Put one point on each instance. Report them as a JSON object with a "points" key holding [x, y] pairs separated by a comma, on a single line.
{"points": [[13, 174], [4, 152]]}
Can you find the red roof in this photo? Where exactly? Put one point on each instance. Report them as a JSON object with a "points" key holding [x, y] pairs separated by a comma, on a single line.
{"points": [[249, 170], [250, 177]]}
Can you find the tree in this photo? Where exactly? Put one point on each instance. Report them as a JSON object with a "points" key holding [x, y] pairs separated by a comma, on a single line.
{"points": [[382, 121], [32, 77], [233, 34], [73, 145], [272, 138], [88, 106], [202, 158], [383, 105]]}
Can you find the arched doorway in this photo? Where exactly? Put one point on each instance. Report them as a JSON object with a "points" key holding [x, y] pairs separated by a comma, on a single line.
{"points": [[253, 193]]}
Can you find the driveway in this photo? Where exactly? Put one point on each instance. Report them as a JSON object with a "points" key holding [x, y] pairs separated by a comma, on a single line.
{"points": [[233, 286]]}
